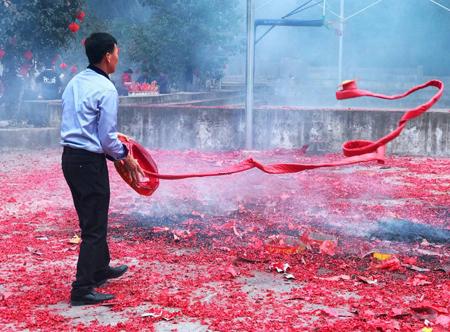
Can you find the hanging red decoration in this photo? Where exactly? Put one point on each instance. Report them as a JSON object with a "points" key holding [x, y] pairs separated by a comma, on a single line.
{"points": [[73, 69], [63, 66], [74, 27], [2, 53], [80, 16], [28, 55]]}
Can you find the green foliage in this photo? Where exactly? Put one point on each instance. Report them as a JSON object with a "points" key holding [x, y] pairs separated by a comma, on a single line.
{"points": [[37, 25], [175, 37], [184, 36]]}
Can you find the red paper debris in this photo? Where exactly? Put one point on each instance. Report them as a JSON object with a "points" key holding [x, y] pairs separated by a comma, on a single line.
{"points": [[443, 320], [419, 280], [428, 311], [160, 229], [328, 247], [369, 280], [336, 278], [232, 271], [391, 264], [280, 267], [190, 275]]}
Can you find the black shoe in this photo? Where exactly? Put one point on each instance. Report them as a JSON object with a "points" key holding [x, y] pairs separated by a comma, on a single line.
{"points": [[111, 273], [90, 298]]}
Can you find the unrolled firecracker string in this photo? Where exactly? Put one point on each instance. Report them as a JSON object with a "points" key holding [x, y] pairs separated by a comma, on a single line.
{"points": [[356, 151]]}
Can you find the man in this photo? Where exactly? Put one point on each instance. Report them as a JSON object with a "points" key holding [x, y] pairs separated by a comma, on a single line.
{"points": [[144, 77], [88, 134], [49, 82]]}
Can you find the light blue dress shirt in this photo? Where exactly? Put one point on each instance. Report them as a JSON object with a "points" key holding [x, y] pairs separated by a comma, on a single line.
{"points": [[89, 117]]}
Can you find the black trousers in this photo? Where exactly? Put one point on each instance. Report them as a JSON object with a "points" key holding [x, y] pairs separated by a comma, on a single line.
{"points": [[86, 174]]}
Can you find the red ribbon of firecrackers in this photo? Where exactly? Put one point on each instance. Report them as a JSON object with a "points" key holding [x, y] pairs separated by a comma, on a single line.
{"points": [[356, 151]]}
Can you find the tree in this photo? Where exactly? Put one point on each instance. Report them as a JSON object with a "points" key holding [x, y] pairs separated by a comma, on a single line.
{"points": [[186, 36], [31, 34]]}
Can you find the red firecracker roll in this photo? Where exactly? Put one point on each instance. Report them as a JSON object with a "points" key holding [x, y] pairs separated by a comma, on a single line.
{"points": [[147, 164]]}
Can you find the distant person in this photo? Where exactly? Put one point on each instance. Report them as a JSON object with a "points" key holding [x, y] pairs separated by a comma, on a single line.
{"points": [[125, 81], [144, 77], [49, 83], [188, 78], [163, 82], [89, 136]]}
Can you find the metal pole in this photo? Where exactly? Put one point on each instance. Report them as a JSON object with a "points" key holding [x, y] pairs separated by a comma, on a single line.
{"points": [[341, 40], [249, 74]]}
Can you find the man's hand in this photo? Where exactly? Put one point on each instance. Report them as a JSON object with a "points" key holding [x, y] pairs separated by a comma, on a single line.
{"points": [[125, 137], [133, 168]]}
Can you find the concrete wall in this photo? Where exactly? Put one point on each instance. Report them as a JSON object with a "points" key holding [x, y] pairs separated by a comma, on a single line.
{"points": [[29, 138], [324, 130], [223, 128], [205, 128]]}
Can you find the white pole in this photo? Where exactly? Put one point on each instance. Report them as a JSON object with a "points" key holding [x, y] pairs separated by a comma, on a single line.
{"points": [[341, 40], [249, 74]]}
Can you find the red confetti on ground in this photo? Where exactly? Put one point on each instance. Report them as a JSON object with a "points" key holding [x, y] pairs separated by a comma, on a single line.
{"points": [[196, 248]]}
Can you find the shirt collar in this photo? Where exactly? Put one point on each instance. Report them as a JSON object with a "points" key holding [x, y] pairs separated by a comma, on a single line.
{"points": [[98, 71]]}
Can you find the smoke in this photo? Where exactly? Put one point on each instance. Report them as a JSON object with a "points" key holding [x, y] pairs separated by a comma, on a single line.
{"points": [[389, 47]]}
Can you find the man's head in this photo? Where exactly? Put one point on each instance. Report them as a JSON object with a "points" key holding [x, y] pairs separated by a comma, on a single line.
{"points": [[102, 51], [49, 65]]}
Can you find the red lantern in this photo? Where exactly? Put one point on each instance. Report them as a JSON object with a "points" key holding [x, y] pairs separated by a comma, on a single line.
{"points": [[28, 55], [73, 69], [2, 53], [80, 16], [63, 66], [74, 27]]}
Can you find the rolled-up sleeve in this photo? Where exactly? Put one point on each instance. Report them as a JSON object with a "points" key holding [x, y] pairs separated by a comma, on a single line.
{"points": [[107, 122]]}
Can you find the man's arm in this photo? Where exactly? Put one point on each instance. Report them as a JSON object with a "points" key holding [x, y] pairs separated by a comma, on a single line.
{"points": [[107, 122], [107, 133]]}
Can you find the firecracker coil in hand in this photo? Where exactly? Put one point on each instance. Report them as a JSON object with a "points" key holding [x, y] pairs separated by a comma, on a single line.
{"points": [[145, 161]]}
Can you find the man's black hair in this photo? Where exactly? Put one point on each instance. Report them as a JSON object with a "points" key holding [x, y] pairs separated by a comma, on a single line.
{"points": [[97, 45]]}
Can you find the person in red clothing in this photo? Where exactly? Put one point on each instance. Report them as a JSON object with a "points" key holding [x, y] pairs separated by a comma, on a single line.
{"points": [[125, 80]]}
